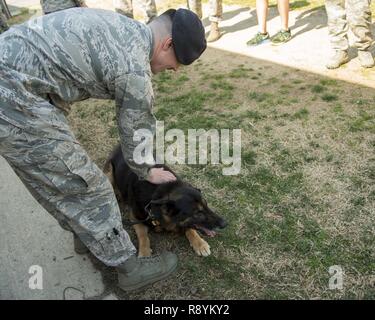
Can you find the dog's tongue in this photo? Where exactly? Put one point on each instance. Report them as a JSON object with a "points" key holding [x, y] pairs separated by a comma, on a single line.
{"points": [[208, 232]]}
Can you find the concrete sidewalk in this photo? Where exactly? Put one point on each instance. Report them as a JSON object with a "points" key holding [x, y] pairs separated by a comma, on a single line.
{"points": [[29, 237], [308, 49]]}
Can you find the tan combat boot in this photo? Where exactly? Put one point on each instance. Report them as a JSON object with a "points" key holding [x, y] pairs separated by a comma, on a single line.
{"points": [[366, 59], [339, 58], [214, 32], [139, 272]]}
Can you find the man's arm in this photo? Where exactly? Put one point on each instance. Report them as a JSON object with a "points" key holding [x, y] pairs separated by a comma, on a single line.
{"points": [[134, 100]]}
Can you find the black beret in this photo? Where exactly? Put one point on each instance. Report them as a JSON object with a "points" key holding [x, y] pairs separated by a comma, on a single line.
{"points": [[188, 36]]}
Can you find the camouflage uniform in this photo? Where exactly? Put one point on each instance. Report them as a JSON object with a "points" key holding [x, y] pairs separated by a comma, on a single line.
{"points": [[355, 14], [126, 7], [3, 23], [216, 9], [49, 6], [70, 56]]}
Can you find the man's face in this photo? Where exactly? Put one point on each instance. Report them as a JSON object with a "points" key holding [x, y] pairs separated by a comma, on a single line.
{"points": [[164, 58]]}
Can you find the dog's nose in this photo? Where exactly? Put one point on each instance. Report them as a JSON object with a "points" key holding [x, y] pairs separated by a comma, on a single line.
{"points": [[222, 223]]}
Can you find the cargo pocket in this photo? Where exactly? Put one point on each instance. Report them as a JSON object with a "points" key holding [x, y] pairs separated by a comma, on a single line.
{"points": [[64, 166]]}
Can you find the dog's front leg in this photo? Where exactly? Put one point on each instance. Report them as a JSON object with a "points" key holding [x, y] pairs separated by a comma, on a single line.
{"points": [[200, 246], [144, 249]]}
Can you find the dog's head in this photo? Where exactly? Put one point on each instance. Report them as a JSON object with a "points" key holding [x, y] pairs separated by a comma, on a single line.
{"points": [[183, 206]]}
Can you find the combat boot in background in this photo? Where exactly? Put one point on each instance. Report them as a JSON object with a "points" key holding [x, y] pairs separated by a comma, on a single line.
{"points": [[214, 32], [365, 58], [339, 58]]}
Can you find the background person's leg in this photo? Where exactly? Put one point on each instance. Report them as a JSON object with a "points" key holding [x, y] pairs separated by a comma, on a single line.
{"points": [[262, 13], [283, 7], [337, 24], [284, 34], [195, 6], [359, 19], [216, 13], [3, 23], [149, 9], [124, 7], [338, 33]]}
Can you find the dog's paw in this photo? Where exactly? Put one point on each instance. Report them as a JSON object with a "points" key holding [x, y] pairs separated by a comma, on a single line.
{"points": [[146, 252], [202, 248]]}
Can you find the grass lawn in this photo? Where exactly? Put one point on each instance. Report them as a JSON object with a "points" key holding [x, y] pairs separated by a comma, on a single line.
{"points": [[305, 198]]}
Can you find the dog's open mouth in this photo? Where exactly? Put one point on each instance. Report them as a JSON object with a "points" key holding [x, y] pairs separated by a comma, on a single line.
{"points": [[207, 232]]}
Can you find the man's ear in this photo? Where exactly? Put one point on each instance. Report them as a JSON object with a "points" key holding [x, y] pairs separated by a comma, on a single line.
{"points": [[167, 43]]}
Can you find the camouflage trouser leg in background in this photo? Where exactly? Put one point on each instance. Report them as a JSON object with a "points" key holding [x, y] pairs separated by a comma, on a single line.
{"points": [[125, 7], [149, 9], [60, 175], [216, 9], [358, 13], [195, 6], [3, 23], [342, 14]]}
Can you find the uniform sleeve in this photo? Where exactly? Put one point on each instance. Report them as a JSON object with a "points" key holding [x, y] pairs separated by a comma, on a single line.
{"points": [[134, 100]]}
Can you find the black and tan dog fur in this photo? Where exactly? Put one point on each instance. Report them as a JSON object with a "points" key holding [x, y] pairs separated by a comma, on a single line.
{"points": [[176, 206]]}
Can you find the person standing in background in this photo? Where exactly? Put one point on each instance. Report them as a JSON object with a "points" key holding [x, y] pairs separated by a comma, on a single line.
{"points": [[3, 23], [125, 7], [355, 14], [49, 6], [280, 37], [215, 16]]}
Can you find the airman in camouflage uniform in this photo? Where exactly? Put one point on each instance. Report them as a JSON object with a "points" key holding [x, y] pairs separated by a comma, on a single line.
{"points": [[3, 23], [355, 14], [71, 55], [126, 7], [216, 13], [49, 6]]}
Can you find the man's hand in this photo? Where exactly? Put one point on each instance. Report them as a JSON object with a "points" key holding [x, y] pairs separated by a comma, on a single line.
{"points": [[159, 176]]}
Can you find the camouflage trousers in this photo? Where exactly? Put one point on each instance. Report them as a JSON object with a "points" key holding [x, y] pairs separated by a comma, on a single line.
{"points": [[216, 9], [353, 14], [38, 145], [125, 7]]}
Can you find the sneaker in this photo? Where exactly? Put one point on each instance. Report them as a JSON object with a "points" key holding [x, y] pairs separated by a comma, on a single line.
{"points": [[79, 247], [281, 37], [366, 59], [339, 58], [259, 38], [139, 272]]}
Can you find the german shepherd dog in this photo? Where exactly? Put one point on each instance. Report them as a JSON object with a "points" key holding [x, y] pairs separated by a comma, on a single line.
{"points": [[174, 206]]}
